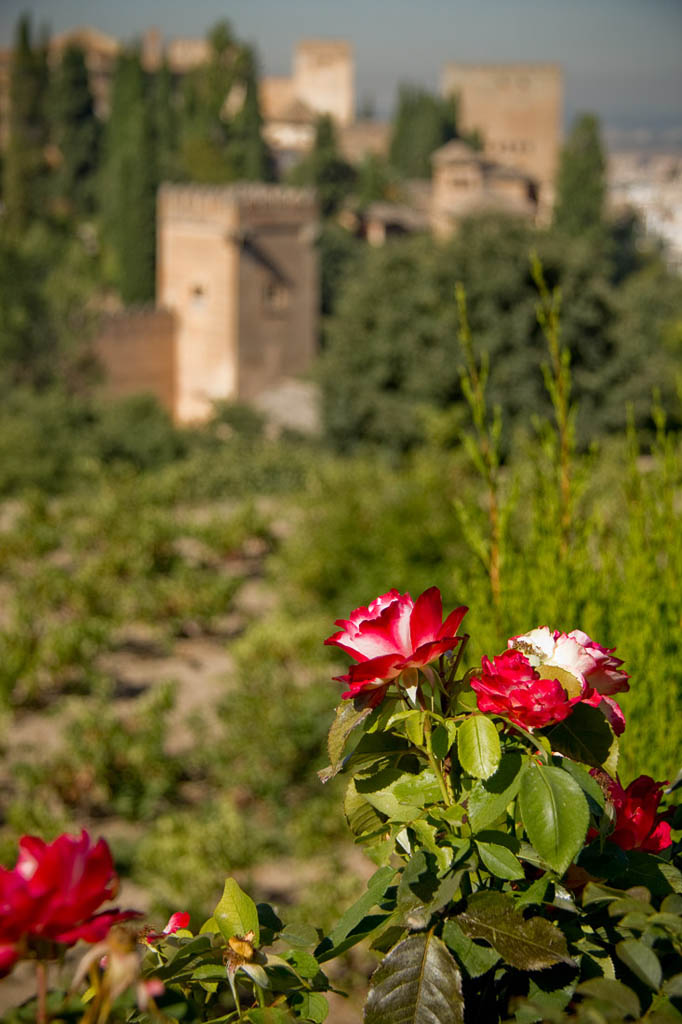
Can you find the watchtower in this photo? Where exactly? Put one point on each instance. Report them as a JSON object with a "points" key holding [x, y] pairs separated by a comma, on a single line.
{"points": [[238, 269]]}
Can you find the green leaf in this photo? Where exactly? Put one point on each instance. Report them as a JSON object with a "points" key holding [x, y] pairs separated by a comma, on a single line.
{"points": [[588, 784], [361, 817], [264, 1015], [489, 799], [586, 736], [500, 861], [305, 963], [209, 972], [478, 746], [475, 959], [209, 926], [347, 718], [613, 992], [414, 728], [256, 973], [442, 739], [299, 936], [419, 789], [673, 986], [236, 913], [376, 887], [555, 814], [378, 790], [529, 944], [310, 1006], [642, 961], [417, 982]]}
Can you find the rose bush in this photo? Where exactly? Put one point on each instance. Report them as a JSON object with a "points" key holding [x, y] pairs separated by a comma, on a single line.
{"points": [[515, 875]]}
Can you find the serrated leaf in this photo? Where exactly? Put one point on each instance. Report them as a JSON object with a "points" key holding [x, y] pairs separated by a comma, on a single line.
{"points": [[378, 790], [475, 959], [347, 718], [529, 944], [417, 982], [376, 887], [673, 986], [299, 936], [613, 992], [210, 926], [310, 1006], [442, 739], [588, 784], [256, 973], [490, 798], [418, 790], [586, 736], [236, 913], [555, 814], [305, 963], [478, 746], [414, 728], [209, 972], [642, 961], [500, 861], [361, 816]]}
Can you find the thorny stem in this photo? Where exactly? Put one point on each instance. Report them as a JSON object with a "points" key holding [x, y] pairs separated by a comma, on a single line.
{"points": [[41, 982], [434, 763]]}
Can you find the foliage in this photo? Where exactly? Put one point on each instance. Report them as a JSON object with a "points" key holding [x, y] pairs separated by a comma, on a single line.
{"points": [[390, 342], [76, 132], [325, 169], [24, 168], [581, 181], [128, 183], [421, 124]]}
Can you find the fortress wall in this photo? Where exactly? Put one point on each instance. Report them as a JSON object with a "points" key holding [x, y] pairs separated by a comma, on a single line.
{"points": [[136, 349]]}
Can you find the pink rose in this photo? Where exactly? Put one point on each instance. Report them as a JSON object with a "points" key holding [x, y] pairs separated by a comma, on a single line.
{"points": [[392, 634], [576, 656], [510, 686]]}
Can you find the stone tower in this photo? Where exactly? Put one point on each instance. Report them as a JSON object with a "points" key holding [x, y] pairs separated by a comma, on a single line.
{"points": [[238, 269], [517, 110], [324, 77]]}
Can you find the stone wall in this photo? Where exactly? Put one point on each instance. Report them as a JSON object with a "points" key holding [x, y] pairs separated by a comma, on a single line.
{"points": [[517, 110], [324, 77], [136, 350]]}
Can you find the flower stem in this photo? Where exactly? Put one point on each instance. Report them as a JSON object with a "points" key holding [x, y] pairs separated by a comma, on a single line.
{"points": [[41, 983], [434, 763]]}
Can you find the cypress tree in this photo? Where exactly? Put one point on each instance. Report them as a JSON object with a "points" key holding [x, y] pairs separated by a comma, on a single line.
{"points": [[325, 168], [76, 132], [422, 123], [247, 151], [25, 169], [128, 184], [581, 181], [165, 125]]}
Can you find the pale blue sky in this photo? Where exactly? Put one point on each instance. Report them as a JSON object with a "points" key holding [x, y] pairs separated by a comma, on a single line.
{"points": [[621, 58]]}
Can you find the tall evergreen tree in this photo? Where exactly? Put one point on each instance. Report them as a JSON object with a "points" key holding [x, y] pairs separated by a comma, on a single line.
{"points": [[247, 149], [25, 169], [165, 125], [581, 181], [76, 132], [128, 184], [325, 169], [422, 123]]}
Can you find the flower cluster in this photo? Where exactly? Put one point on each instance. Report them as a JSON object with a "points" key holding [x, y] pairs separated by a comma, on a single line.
{"points": [[544, 674], [51, 895], [394, 634]]}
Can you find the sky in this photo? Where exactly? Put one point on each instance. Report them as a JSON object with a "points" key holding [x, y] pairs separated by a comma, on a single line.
{"points": [[621, 58]]}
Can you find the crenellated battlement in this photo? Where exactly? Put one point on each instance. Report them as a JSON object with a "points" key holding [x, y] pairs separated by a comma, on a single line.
{"points": [[209, 200]]}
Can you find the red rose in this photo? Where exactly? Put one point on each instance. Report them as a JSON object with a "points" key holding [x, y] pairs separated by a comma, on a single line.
{"points": [[510, 686], [53, 892], [392, 634], [638, 825]]}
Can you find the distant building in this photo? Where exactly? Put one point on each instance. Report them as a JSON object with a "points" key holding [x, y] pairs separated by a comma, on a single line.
{"points": [[650, 183], [237, 297], [465, 182], [516, 109]]}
